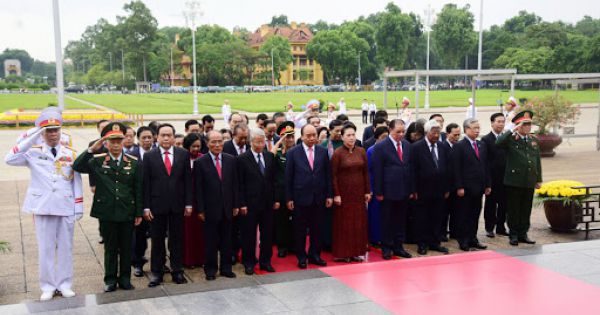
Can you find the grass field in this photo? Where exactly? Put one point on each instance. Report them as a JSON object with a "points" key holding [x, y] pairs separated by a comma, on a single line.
{"points": [[271, 102], [34, 101]]}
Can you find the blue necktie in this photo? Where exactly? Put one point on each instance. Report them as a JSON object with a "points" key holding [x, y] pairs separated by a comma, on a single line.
{"points": [[261, 166], [433, 155]]}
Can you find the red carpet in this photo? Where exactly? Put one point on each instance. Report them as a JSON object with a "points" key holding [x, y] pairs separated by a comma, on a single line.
{"points": [[474, 283], [290, 263]]}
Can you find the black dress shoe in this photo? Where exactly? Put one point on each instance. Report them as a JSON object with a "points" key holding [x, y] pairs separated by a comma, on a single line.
{"points": [[464, 247], [110, 288], [387, 256], [179, 278], [478, 245], [210, 277], [490, 234], [138, 271], [249, 270], [422, 250], [155, 282], [227, 274], [267, 268], [439, 248], [402, 253], [317, 261], [526, 240], [282, 253], [502, 232], [127, 286], [302, 264]]}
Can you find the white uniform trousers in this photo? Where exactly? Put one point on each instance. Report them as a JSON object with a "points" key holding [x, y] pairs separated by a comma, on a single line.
{"points": [[55, 250]]}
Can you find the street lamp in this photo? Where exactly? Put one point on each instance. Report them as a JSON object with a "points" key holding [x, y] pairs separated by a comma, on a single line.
{"points": [[428, 12], [191, 13], [272, 72], [60, 84]]}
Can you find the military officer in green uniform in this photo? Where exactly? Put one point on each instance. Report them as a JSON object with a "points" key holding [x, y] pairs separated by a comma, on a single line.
{"points": [[117, 201], [523, 174], [284, 233]]}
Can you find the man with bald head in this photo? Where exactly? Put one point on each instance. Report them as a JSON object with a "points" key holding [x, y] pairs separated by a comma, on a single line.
{"points": [[308, 192]]}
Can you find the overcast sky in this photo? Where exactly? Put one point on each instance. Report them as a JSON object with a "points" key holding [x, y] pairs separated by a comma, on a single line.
{"points": [[27, 24]]}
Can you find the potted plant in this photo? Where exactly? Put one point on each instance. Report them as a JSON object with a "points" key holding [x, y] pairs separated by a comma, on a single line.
{"points": [[562, 203], [550, 114]]}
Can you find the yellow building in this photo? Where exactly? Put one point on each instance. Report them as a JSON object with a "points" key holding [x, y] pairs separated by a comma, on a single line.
{"points": [[302, 71]]}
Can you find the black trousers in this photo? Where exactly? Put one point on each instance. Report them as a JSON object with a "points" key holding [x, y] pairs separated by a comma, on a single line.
{"points": [[263, 220], [284, 229], [117, 251], [173, 223], [494, 210], [519, 201], [393, 224], [467, 218], [428, 217], [448, 223], [217, 242], [308, 219], [139, 244], [371, 117], [365, 114]]}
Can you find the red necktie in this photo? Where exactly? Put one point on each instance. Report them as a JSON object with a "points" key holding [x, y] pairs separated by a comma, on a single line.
{"points": [[218, 166], [476, 148], [399, 150], [311, 158], [167, 163]]}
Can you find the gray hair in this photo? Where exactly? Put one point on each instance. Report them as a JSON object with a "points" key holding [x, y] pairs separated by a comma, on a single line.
{"points": [[468, 122], [431, 124], [257, 132]]}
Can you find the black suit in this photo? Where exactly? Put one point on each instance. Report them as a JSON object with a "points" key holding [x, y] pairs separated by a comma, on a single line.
{"points": [[495, 204], [167, 196], [139, 243], [449, 216], [368, 133], [471, 173], [369, 143], [308, 189], [257, 194], [216, 198], [431, 184], [236, 233]]}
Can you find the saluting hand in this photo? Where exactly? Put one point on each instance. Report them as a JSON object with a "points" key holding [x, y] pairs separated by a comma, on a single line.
{"points": [[97, 146]]}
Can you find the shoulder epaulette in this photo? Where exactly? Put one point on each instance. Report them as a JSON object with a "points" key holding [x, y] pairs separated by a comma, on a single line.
{"points": [[36, 147], [100, 155], [131, 157], [70, 148]]}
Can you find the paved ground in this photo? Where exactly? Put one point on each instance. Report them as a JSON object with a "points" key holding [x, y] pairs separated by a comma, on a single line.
{"points": [[576, 159]]}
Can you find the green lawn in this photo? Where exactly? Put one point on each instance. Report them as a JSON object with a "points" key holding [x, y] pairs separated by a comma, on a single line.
{"points": [[271, 102], [33, 101]]}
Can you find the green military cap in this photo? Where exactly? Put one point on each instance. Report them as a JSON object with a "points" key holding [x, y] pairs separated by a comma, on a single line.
{"points": [[114, 130], [523, 117], [286, 128]]}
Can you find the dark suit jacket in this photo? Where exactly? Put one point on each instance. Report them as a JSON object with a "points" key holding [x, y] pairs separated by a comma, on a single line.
{"points": [[303, 185], [496, 159], [392, 178], [256, 189], [430, 181], [165, 194], [229, 148], [369, 143], [470, 173], [134, 151], [368, 133], [214, 197]]}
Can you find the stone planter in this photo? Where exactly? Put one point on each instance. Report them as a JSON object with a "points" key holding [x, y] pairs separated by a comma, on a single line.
{"points": [[561, 218], [547, 143]]}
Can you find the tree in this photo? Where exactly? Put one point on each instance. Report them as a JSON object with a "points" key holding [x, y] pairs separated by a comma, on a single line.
{"points": [[95, 76], [365, 31], [453, 34], [321, 25], [278, 48], [281, 20], [588, 26], [592, 54], [519, 23], [337, 51], [393, 37], [525, 60]]}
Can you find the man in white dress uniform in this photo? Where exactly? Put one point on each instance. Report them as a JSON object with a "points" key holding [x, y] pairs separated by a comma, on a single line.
{"points": [[55, 199]]}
